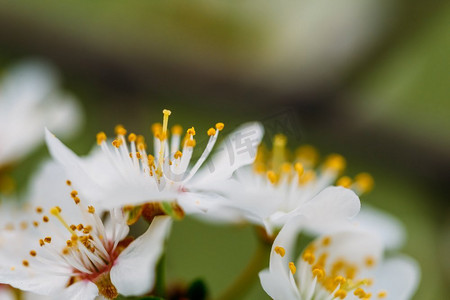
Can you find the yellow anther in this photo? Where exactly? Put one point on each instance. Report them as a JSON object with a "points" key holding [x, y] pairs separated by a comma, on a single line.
{"points": [[25, 263], [65, 251], [120, 130], [280, 251], [351, 272], [190, 143], [211, 131], [308, 176], [91, 209], [286, 167], [307, 154], [382, 294], [151, 159], [54, 211], [69, 243], [272, 177], [74, 237], [370, 261], [340, 294], [176, 130], [73, 193], [117, 143], [48, 239], [309, 257], [132, 137], [35, 223], [80, 227], [41, 242], [292, 268], [326, 241], [101, 137], [68, 182], [360, 293], [319, 273], [220, 126], [39, 209], [344, 181], [299, 169], [178, 154], [340, 280], [45, 219], [76, 200], [33, 253], [367, 296], [191, 131], [365, 182], [12, 268], [335, 162]]}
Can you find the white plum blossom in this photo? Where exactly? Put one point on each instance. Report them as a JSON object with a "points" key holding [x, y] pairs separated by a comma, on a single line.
{"points": [[274, 188], [30, 99], [60, 247], [125, 173], [342, 265]]}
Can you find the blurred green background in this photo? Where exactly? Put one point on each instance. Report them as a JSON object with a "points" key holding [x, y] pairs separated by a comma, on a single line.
{"points": [[368, 79]]}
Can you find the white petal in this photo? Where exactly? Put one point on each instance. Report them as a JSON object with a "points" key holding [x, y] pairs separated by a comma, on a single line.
{"points": [[36, 282], [399, 276], [134, 271], [286, 238], [276, 287], [237, 149], [354, 246], [391, 230], [72, 164], [83, 290], [331, 209]]}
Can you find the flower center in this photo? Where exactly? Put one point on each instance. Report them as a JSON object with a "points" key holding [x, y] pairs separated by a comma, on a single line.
{"points": [[281, 168], [167, 162]]}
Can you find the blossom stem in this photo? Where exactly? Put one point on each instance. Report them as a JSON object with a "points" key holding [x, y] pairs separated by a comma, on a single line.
{"points": [[243, 283]]}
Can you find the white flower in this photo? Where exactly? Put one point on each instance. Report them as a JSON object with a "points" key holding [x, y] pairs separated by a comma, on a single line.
{"points": [[30, 100], [274, 189], [68, 252], [342, 265], [124, 173]]}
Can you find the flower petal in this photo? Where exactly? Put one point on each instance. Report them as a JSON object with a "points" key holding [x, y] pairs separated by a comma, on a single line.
{"points": [[391, 230], [236, 150], [83, 290], [134, 271], [399, 276], [331, 209], [33, 281], [276, 287]]}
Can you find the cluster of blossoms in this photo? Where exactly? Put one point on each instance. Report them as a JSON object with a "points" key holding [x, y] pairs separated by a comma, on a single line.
{"points": [[70, 239]]}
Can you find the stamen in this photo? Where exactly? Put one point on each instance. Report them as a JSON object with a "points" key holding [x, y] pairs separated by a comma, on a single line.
{"points": [[120, 130], [178, 154], [33, 253], [326, 241], [365, 182], [335, 162], [101, 137], [272, 176], [68, 182], [132, 137], [319, 273], [45, 219], [340, 294], [292, 268], [220, 126], [279, 151], [39, 210], [280, 250], [211, 131], [370, 261], [25, 263], [163, 136], [176, 130], [344, 181], [382, 294], [56, 212]]}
